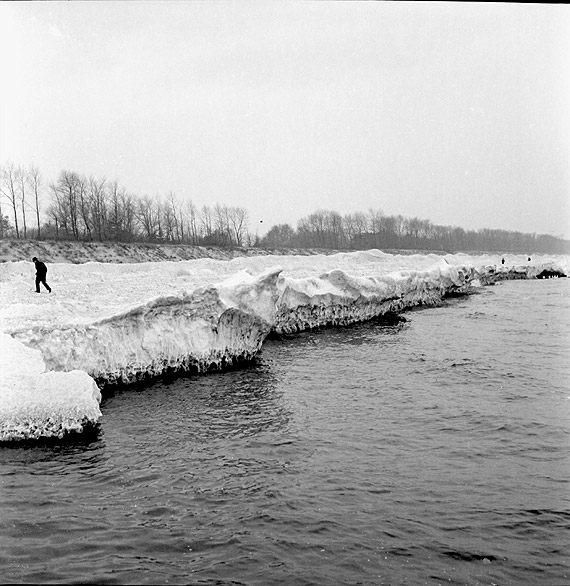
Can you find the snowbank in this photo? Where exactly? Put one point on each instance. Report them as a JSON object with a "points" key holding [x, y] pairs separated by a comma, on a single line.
{"points": [[121, 323]]}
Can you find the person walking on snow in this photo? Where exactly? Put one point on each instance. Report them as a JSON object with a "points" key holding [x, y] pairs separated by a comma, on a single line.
{"points": [[41, 272]]}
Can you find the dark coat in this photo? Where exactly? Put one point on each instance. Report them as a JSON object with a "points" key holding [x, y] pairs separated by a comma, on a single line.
{"points": [[41, 269]]}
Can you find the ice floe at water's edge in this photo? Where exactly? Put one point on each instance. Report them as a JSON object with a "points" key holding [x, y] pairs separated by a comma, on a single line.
{"points": [[36, 403]]}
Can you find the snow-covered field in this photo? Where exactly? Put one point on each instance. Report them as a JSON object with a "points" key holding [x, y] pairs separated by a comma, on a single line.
{"points": [[123, 322]]}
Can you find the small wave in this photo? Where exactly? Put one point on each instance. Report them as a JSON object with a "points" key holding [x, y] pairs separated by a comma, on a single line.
{"points": [[467, 556]]}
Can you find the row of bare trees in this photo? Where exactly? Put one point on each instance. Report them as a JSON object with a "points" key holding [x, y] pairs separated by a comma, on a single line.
{"points": [[373, 229], [80, 208], [75, 207], [20, 190]]}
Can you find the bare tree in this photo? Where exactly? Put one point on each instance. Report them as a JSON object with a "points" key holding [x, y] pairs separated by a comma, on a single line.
{"points": [[237, 217], [399, 226], [311, 230], [175, 224], [375, 225], [98, 206], [170, 219], [21, 180], [58, 210], [67, 193], [129, 204], [388, 238], [207, 222], [84, 206], [146, 217], [335, 229], [35, 182], [192, 216], [222, 225], [159, 215], [115, 211], [8, 189]]}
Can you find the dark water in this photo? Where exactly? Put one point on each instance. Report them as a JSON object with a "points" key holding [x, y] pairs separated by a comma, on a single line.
{"points": [[431, 452]]}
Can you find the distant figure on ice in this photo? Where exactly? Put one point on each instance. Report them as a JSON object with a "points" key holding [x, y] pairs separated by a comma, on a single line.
{"points": [[529, 259], [41, 272], [503, 261]]}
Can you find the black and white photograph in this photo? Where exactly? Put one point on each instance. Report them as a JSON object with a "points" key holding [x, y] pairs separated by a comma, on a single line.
{"points": [[284, 294]]}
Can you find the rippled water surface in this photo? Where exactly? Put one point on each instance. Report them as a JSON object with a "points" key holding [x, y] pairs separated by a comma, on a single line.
{"points": [[435, 451]]}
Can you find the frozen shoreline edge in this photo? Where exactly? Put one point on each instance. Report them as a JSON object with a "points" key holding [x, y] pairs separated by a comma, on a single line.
{"points": [[221, 325]]}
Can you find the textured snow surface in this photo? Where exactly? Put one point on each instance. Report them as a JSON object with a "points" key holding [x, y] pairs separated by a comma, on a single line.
{"points": [[121, 323]]}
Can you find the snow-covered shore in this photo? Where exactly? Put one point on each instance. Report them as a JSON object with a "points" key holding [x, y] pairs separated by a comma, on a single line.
{"points": [[121, 323]]}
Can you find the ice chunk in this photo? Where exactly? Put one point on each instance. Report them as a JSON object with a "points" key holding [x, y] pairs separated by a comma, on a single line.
{"points": [[38, 404]]}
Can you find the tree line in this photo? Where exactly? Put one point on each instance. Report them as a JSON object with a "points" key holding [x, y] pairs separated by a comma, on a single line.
{"points": [[75, 207], [373, 229], [95, 209]]}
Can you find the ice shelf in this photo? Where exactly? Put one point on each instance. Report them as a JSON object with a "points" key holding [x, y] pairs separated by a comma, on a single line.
{"points": [[119, 324]]}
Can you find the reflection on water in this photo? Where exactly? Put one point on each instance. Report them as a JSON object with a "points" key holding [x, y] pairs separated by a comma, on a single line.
{"points": [[428, 451], [72, 449], [239, 403]]}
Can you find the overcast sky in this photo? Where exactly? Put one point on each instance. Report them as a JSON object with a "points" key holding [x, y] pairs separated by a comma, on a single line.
{"points": [[453, 112]]}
